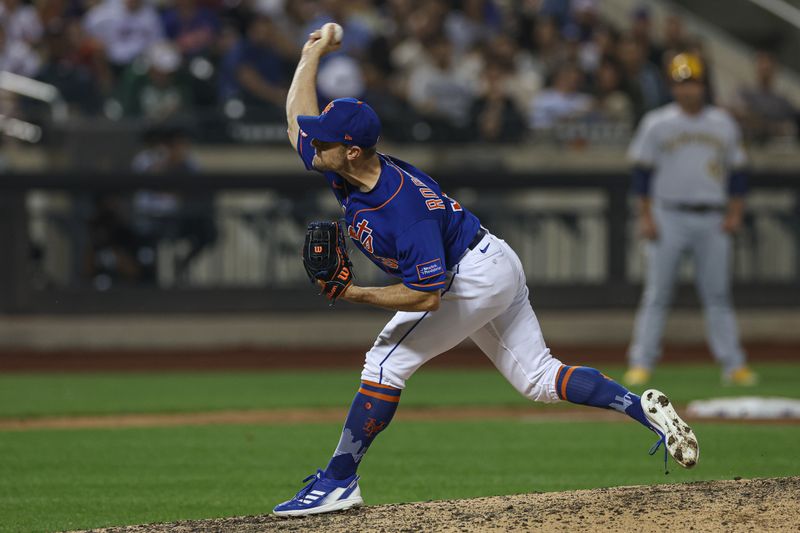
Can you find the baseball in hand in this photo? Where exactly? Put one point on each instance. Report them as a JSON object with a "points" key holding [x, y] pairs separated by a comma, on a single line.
{"points": [[335, 31]]}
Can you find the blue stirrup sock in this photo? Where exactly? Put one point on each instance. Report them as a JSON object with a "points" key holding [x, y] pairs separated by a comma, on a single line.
{"points": [[588, 386], [371, 411]]}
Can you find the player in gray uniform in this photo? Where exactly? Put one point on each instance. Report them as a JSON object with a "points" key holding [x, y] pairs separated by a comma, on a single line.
{"points": [[688, 175]]}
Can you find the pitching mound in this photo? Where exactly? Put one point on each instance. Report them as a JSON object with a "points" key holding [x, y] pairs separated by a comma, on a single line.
{"points": [[749, 505]]}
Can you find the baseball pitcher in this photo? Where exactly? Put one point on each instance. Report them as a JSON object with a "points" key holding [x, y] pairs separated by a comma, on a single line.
{"points": [[455, 280]]}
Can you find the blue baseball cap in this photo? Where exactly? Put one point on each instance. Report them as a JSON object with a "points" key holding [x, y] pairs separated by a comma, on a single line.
{"points": [[344, 120]]}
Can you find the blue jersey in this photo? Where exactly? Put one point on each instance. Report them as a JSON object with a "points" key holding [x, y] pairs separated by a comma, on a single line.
{"points": [[406, 225]]}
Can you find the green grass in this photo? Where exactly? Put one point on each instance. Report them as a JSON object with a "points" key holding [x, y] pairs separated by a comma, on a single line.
{"points": [[55, 480], [33, 395], [66, 479]]}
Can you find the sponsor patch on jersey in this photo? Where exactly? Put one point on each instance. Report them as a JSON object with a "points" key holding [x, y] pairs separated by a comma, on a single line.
{"points": [[429, 269]]}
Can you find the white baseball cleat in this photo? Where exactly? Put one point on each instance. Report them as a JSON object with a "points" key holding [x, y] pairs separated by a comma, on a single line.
{"points": [[322, 495], [678, 437]]}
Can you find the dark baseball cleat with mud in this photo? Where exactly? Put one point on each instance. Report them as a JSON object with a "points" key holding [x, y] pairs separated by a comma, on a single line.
{"points": [[678, 436]]}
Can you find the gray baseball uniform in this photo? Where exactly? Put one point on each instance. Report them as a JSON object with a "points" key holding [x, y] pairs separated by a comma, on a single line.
{"points": [[691, 157]]}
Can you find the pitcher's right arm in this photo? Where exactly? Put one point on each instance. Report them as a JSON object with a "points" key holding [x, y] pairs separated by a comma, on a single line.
{"points": [[302, 97]]}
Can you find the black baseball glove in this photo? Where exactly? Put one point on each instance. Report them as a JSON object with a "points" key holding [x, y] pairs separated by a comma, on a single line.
{"points": [[325, 257]]}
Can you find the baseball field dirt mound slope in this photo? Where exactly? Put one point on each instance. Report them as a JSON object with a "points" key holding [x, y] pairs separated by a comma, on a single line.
{"points": [[747, 505]]}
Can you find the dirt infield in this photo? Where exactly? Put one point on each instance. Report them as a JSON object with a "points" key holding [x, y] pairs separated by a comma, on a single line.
{"points": [[465, 356], [302, 416], [322, 415], [746, 505]]}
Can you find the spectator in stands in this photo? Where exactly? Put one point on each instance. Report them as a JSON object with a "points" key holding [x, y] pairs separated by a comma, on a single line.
{"points": [[426, 24], [20, 22], [586, 38], [520, 21], [340, 76], [521, 78], [167, 149], [111, 254], [255, 71], [387, 99], [54, 14], [642, 32], [439, 92], [548, 46], [643, 80], [89, 52], [396, 45], [64, 67], [674, 38], [561, 100], [572, 45], [476, 22], [159, 216], [592, 51], [379, 53], [17, 56], [496, 118], [585, 18], [763, 111], [192, 28], [287, 36], [178, 156], [606, 40], [155, 87], [292, 18], [125, 28], [227, 50], [611, 103], [556, 10], [398, 11], [227, 40]]}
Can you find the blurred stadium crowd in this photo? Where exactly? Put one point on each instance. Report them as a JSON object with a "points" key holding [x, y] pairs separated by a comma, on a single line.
{"points": [[435, 70]]}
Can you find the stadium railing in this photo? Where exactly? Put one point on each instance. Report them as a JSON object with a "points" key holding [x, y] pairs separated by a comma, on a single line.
{"points": [[106, 243]]}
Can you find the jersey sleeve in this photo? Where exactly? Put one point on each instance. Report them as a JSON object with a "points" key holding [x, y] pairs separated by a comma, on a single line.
{"points": [[642, 150], [420, 257], [304, 149]]}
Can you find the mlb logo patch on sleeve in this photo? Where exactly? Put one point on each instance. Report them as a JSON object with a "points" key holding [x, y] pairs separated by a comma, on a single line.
{"points": [[429, 269]]}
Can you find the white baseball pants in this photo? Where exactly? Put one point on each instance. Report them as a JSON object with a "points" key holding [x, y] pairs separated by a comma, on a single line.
{"points": [[487, 301]]}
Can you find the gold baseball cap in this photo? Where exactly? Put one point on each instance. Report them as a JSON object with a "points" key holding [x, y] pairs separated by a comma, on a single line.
{"points": [[685, 67]]}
